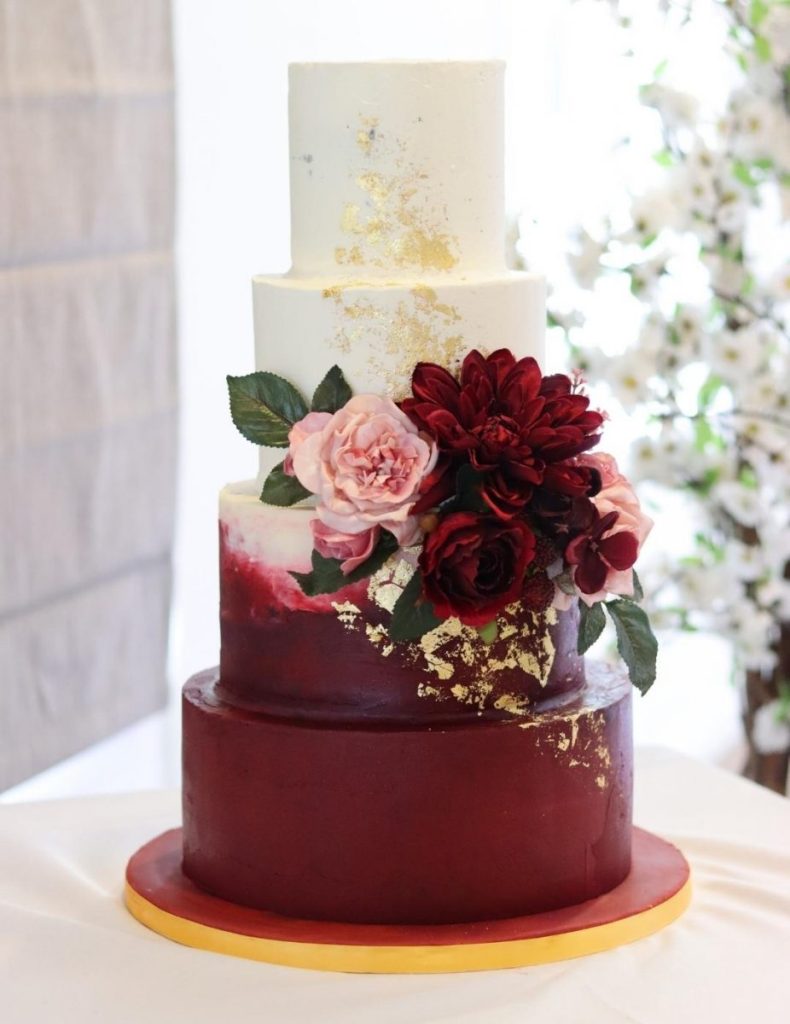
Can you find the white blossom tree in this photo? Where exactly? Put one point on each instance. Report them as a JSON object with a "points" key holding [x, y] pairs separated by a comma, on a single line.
{"points": [[702, 254]]}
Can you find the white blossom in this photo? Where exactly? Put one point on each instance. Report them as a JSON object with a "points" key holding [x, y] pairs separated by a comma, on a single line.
{"points": [[629, 376], [650, 214], [675, 108], [771, 731], [752, 630], [774, 596], [743, 503], [733, 355], [585, 258], [745, 561]]}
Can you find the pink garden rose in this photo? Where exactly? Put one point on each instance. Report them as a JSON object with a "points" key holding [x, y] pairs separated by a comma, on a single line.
{"points": [[352, 549], [300, 431], [616, 495], [365, 464]]}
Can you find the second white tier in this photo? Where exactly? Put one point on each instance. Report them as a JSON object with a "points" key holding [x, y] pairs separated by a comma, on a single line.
{"points": [[377, 333]]}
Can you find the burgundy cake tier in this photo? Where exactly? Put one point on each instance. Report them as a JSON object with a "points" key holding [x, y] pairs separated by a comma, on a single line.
{"points": [[281, 653], [408, 823]]}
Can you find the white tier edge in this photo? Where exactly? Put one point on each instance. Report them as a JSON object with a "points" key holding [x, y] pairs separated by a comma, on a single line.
{"points": [[377, 333]]}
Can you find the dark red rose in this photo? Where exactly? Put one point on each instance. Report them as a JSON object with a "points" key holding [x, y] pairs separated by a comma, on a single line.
{"points": [[473, 565], [509, 422], [594, 554]]}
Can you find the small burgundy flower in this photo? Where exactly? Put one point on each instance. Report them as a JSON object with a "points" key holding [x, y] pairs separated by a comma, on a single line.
{"points": [[594, 554], [509, 422], [473, 565]]}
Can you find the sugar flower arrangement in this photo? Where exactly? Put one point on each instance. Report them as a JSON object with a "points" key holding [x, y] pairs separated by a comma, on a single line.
{"points": [[487, 478]]}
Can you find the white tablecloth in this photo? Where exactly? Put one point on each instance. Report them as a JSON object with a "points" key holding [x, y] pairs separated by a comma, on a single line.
{"points": [[70, 952]]}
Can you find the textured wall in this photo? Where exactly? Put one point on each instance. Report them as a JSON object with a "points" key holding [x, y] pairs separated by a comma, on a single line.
{"points": [[87, 371]]}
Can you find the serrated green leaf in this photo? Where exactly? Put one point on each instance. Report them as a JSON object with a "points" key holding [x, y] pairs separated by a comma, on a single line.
{"points": [[281, 489], [264, 407], [412, 616], [635, 642], [332, 393], [591, 623], [638, 592], [327, 577]]}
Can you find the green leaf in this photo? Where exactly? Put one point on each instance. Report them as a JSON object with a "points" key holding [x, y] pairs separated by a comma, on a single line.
{"points": [[635, 642], [489, 632], [412, 616], [762, 49], [565, 582], [591, 623], [665, 158], [327, 577], [332, 393], [708, 392], [281, 489], [264, 407], [703, 434], [758, 11], [660, 68], [638, 592], [743, 172]]}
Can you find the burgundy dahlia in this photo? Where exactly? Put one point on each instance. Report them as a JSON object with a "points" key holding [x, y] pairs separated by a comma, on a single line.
{"points": [[474, 565], [512, 424]]}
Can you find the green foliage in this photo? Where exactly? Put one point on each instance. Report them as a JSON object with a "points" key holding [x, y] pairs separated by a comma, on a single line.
{"points": [[332, 393], [264, 407], [281, 489], [591, 624], [412, 615], [636, 643], [327, 577]]}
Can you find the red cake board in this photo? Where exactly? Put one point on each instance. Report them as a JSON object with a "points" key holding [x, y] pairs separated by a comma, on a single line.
{"points": [[654, 894]]}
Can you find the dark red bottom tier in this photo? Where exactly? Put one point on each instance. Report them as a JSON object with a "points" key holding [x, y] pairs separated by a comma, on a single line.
{"points": [[393, 825]]}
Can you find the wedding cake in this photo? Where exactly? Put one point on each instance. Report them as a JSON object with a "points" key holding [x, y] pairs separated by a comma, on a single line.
{"points": [[402, 729]]}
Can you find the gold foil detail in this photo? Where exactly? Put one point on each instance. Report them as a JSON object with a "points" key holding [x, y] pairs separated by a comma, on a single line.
{"points": [[397, 334], [367, 135], [390, 226], [347, 612]]}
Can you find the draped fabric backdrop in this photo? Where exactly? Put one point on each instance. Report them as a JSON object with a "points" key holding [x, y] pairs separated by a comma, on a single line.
{"points": [[87, 371]]}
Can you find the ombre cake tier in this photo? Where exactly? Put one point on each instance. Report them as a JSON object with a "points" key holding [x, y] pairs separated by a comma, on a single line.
{"points": [[366, 822], [330, 656]]}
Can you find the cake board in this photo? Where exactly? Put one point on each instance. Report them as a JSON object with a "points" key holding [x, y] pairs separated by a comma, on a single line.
{"points": [[655, 893]]}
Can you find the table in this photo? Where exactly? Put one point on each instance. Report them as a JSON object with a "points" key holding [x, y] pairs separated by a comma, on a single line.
{"points": [[69, 951]]}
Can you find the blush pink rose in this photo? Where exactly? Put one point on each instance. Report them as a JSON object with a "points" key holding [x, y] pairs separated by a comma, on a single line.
{"points": [[616, 495], [299, 432], [351, 548], [366, 465]]}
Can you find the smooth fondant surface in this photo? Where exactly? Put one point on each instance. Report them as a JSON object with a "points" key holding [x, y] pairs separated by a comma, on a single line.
{"points": [[408, 825]]}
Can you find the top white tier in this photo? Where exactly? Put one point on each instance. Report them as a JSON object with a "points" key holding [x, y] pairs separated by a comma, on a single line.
{"points": [[396, 168]]}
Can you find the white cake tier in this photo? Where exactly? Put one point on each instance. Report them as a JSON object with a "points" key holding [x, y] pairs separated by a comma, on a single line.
{"points": [[396, 167], [276, 537], [377, 333]]}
